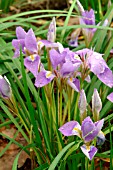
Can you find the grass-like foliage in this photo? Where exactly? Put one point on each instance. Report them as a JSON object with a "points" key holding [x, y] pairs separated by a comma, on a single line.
{"points": [[57, 94]]}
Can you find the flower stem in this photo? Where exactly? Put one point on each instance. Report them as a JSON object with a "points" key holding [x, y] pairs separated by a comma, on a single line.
{"points": [[60, 109]]}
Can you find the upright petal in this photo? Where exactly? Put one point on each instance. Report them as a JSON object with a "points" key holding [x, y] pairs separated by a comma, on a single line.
{"points": [[55, 58], [30, 41], [99, 125], [67, 69], [17, 44], [89, 17], [89, 130], [20, 33], [70, 128], [89, 151], [43, 78], [32, 63]]}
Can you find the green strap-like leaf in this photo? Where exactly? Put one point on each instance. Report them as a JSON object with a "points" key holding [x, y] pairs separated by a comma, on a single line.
{"points": [[59, 156]]}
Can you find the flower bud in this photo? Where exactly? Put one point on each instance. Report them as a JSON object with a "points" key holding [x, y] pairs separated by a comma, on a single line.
{"points": [[100, 138], [51, 36], [5, 90], [96, 105], [82, 105]]}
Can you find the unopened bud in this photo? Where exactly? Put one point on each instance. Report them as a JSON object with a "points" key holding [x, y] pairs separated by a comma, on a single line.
{"points": [[96, 105], [5, 89], [83, 105], [51, 36]]}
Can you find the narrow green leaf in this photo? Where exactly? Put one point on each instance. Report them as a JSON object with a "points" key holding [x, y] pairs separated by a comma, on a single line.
{"points": [[59, 156]]}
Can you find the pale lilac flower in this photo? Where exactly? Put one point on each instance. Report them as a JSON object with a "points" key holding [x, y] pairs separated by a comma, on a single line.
{"points": [[96, 64], [26, 41], [65, 64], [87, 132], [5, 89], [88, 18], [63, 68], [110, 97]]}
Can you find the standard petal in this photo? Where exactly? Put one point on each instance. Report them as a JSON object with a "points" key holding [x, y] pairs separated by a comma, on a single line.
{"points": [[67, 69], [88, 17], [30, 41], [110, 97], [70, 128], [20, 33], [89, 130], [74, 83], [89, 151], [43, 78], [99, 125], [32, 64], [55, 58]]}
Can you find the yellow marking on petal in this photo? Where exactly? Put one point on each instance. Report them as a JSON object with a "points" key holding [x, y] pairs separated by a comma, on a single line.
{"points": [[88, 148], [71, 79], [40, 44], [48, 74], [32, 57], [76, 57], [102, 133]]}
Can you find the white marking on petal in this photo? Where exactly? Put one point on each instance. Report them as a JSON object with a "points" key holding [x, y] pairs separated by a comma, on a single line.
{"points": [[48, 74]]}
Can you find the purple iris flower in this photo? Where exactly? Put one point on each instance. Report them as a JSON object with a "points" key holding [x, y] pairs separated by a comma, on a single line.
{"points": [[87, 132], [63, 68], [88, 18], [29, 46], [5, 89], [96, 64], [27, 41]]}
